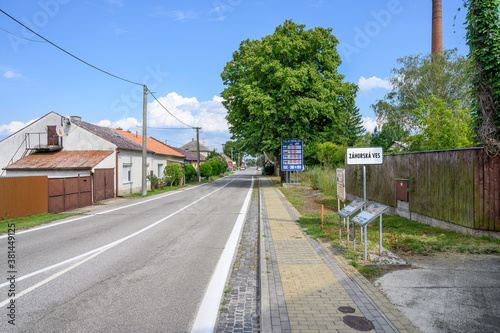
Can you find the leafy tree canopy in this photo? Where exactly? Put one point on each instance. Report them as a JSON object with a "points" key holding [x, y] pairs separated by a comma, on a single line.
{"points": [[442, 127], [418, 78], [287, 85], [173, 173]]}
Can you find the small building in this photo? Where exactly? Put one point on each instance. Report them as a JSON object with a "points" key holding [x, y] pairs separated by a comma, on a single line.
{"points": [[65, 147], [192, 148], [163, 154]]}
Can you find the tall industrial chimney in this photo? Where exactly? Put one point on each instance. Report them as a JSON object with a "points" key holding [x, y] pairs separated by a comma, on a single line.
{"points": [[437, 27]]}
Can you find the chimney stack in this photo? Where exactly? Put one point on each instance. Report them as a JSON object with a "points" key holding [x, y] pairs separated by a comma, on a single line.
{"points": [[437, 27]]}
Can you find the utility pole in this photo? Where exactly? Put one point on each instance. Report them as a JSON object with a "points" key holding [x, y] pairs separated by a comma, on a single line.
{"points": [[198, 151], [232, 168], [144, 141]]}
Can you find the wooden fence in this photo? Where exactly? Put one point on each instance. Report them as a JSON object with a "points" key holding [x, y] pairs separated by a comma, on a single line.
{"points": [[23, 196], [460, 186]]}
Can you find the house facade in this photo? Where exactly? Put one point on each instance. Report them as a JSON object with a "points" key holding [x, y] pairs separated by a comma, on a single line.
{"points": [[163, 154], [59, 146]]}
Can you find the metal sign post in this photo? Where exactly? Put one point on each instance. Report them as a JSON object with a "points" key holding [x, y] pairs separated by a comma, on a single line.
{"points": [[364, 156], [368, 215], [292, 159], [346, 212]]}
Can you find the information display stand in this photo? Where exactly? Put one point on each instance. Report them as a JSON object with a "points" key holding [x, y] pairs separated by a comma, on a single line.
{"points": [[368, 215], [346, 212]]}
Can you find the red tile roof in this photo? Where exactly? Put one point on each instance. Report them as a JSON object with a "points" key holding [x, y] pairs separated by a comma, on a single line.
{"points": [[73, 160], [153, 144]]}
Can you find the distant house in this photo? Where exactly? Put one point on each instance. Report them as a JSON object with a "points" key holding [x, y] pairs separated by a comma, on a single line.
{"points": [[58, 147], [192, 148], [163, 154], [188, 157], [230, 162]]}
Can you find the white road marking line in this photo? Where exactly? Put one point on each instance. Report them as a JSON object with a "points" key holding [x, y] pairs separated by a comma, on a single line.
{"points": [[50, 278], [112, 244], [207, 314]]}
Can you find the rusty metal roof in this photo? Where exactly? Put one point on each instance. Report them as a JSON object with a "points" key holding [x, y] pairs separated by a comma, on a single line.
{"points": [[72, 160]]}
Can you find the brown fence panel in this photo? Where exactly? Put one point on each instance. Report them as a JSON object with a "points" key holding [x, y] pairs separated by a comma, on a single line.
{"points": [[23, 196], [460, 186], [69, 193]]}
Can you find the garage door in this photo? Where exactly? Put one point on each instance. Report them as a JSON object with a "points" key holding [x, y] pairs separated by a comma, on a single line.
{"points": [[104, 184]]}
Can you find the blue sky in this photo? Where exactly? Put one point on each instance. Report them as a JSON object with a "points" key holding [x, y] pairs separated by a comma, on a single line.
{"points": [[179, 49]]}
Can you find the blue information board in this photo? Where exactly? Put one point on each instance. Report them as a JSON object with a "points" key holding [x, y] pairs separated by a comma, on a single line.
{"points": [[292, 155]]}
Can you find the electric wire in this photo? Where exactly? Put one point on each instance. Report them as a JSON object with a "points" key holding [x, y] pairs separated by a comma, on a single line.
{"points": [[60, 48], [31, 40], [170, 113]]}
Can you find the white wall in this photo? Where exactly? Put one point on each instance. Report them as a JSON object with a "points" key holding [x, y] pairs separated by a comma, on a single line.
{"points": [[48, 173], [9, 145], [134, 160], [78, 138]]}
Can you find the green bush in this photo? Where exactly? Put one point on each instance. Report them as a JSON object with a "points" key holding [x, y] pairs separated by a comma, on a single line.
{"points": [[173, 173], [206, 170], [190, 172]]}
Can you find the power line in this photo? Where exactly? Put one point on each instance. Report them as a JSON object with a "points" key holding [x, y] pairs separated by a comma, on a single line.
{"points": [[169, 111], [170, 128], [31, 40], [60, 48]]}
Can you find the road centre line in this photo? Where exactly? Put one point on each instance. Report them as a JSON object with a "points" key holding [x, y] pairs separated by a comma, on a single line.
{"points": [[112, 244], [36, 228], [207, 313]]}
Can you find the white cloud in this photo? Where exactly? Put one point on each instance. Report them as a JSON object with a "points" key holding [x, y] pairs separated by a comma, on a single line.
{"points": [[369, 123], [13, 127], [11, 75], [367, 85], [210, 115], [125, 124]]}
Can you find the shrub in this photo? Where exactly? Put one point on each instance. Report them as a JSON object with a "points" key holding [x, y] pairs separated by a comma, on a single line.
{"points": [[173, 173], [190, 172], [206, 170]]}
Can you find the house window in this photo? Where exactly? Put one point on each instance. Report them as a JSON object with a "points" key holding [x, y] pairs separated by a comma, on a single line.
{"points": [[160, 170], [127, 173]]}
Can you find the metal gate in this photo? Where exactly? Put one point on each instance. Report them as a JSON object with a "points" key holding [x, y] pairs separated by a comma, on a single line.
{"points": [[104, 185], [69, 193]]}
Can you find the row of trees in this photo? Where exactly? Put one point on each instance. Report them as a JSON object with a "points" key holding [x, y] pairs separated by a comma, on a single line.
{"points": [[287, 85]]}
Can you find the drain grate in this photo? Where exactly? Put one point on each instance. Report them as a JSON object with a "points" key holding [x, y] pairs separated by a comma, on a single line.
{"points": [[358, 323], [346, 309]]}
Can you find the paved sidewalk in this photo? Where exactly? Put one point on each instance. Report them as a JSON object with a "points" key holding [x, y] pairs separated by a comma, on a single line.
{"points": [[304, 286]]}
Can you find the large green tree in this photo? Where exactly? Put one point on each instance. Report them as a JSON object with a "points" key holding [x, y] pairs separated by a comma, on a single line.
{"points": [[420, 77], [483, 38], [287, 85], [442, 127]]}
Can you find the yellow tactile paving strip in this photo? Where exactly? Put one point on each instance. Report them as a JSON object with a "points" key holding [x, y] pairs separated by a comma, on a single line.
{"points": [[312, 293], [311, 290]]}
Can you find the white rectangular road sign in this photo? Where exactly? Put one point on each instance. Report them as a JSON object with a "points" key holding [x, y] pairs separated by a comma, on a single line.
{"points": [[367, 155]]}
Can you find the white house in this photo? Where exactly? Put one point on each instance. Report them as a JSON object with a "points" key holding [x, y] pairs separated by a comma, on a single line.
{"points": [[163, 154], [57, 146]]}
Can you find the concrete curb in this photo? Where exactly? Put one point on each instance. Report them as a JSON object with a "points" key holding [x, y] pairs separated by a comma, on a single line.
{"points": [[265, 304]]}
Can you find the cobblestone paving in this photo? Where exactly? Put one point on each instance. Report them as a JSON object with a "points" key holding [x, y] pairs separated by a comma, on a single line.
{"points": [[240, 305]]}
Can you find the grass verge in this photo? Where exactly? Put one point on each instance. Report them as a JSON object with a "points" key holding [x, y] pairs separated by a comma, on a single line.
{"points": [[399, 235], [31, 221]]}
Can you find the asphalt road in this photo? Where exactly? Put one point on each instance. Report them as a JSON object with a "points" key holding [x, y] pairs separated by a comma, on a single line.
{"points": [[142, 266]]}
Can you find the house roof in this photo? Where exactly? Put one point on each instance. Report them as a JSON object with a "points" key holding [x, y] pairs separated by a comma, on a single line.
{"points": [[109, 135], [187, 154], [192, 147], [153, 144], [72, 160]]}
